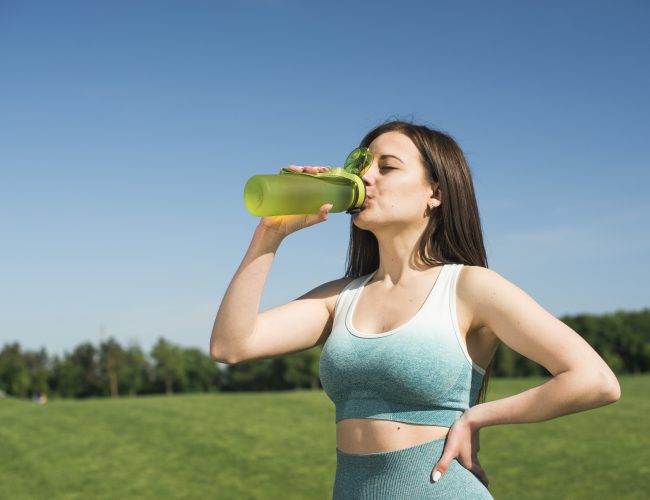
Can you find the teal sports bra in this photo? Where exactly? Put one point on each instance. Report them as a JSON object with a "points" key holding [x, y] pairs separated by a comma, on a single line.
{"points": [[419, 372]]}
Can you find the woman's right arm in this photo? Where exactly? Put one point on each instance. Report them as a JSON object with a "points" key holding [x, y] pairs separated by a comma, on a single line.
{"points": [[240, 332]]}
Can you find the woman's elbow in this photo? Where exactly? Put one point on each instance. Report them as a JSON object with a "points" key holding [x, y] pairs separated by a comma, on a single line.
{"points": [[609, 387], [615, 393], [222, 357]]}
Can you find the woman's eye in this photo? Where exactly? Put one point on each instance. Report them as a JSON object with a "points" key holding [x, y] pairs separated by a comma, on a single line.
{"points": [[386, 167]]}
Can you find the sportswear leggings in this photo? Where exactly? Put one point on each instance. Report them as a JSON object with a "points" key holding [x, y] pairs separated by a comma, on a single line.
{"points": [[404, 474]]}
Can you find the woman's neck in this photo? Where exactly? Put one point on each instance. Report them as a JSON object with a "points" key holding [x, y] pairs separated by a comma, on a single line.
{"points": [[399, 256]]}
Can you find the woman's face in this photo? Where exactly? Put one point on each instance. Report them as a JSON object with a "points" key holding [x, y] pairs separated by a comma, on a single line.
{"points": [[397, 189]]}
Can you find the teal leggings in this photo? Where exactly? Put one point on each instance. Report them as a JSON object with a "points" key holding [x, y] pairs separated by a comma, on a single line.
{"points": [[403, 474]]}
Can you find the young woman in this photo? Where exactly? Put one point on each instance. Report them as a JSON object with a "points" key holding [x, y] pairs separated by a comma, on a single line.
{"points": [[410, 332]]}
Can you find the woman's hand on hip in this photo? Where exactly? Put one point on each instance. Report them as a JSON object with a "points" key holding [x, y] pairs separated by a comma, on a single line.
{"points": [[463, 443], [287, 224]]}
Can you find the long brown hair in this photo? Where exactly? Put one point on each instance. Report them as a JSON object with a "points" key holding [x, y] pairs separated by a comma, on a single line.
{"points": [[453, 233]]}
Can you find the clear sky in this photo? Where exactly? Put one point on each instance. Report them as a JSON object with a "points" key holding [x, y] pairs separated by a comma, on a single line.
{"points": [[128, 130]]}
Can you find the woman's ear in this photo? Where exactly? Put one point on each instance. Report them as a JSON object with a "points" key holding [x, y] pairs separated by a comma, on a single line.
{"points": [[435, 200]]}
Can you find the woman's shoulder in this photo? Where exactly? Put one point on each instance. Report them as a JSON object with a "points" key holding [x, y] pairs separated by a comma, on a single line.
{"points": [[475, 284], [330, 291], [488, 294], [479, 272], [474, 281]]}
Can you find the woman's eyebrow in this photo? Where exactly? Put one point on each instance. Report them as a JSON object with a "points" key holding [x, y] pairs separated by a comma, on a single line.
{"points": [[383, 157]]}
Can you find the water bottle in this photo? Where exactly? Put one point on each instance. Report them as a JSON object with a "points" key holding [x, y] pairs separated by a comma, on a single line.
{"points": [[291, 192]]}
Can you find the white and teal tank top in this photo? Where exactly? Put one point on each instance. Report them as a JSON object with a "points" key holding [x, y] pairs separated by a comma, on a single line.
{"points": [[419, 372]]}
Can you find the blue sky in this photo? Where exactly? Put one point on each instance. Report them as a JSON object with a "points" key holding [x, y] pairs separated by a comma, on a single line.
{"points": [[128, 131]]}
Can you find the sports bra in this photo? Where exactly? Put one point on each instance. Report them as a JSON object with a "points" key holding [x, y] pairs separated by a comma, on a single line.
{"points": [[419, 372]]}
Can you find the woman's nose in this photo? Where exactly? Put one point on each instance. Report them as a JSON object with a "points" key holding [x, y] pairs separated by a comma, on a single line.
{"points": [[368, 176]]}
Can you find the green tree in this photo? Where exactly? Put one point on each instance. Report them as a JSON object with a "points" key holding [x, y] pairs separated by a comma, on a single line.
{"points": [[169, 365], [66, 377], [111, 366], [202, 374], [505, 361], [38, 366], [302, 368], [85, 356], [258, 375], [14, 373], [136, 371]]}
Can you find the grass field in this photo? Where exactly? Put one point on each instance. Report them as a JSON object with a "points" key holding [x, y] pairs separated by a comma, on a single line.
{"points": [[281, 445]]}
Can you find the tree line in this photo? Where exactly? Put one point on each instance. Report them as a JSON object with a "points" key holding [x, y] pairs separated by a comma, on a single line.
{"points": [[110, 369]]}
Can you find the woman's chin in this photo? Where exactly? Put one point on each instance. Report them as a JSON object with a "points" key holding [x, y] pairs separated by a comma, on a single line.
{"points": [[360, 219]]}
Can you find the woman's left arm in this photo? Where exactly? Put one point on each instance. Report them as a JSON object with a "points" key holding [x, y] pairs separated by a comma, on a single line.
{"points": [[581, 378]]}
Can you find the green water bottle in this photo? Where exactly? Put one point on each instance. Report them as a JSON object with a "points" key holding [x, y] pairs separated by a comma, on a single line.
{"points": [[291, 192]]}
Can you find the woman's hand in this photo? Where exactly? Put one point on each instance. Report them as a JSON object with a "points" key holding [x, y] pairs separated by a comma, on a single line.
{"points": [[463, 441], [284, 225]]}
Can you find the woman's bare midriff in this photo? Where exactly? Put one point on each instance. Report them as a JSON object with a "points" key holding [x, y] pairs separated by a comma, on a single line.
{"points": [[362, 435]]}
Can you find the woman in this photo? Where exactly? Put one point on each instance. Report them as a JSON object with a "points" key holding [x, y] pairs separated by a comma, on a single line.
{"points": [[410, 332]]}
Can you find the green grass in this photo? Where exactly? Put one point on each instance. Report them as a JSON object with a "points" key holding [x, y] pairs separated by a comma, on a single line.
{"points": [[282, 445]]}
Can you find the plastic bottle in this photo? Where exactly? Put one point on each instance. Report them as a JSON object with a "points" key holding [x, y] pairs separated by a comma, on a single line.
{"points": [[290, 192]]}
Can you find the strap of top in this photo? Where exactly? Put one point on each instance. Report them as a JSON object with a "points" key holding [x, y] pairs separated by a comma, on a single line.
{"points": [[443, 282], [344, 300]]}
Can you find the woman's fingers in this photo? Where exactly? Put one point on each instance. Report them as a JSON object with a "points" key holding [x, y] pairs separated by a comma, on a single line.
{"points": [[461, 444], [446, 459], [475, 468], [310, 169], [325, 210], [448, 454], [287, 224], [322, 215], [480, 473]]}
